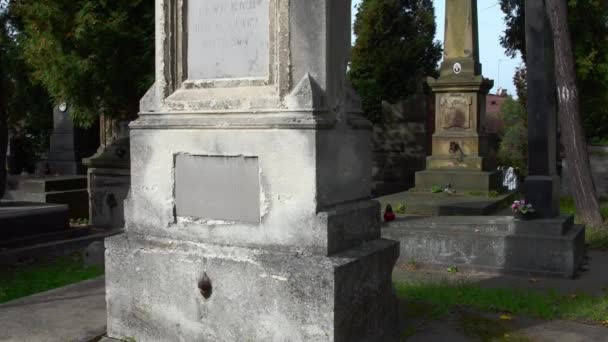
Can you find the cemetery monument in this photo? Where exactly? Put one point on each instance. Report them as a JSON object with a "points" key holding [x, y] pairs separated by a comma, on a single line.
{"points": [[461, 153], [249, 216], [548, 243]]}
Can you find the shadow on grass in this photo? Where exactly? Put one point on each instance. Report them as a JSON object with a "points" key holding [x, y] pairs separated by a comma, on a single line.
{"points": [[38, 276], [470, 311]]}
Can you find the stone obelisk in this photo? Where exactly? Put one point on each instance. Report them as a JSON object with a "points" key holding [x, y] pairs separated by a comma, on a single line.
{"points": [[460, 145]]}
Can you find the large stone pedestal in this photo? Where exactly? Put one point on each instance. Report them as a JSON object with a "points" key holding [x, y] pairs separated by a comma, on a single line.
{"points": [[256, 294], [249, 216]]}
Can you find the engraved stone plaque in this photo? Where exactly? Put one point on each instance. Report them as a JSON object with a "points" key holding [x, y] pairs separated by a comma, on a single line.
{"points": [[217, 188], [455, 111], [228, 39]]}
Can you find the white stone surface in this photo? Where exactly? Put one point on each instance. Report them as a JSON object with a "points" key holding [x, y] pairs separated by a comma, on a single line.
{"points": [[313, 268], [228, 39]]}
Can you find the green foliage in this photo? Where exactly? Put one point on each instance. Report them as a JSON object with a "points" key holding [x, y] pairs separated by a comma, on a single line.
{"points": [[27, 106], [96, 55], [589, 29], [599, 141], [513, 149], [394, 51], [514, 38]]}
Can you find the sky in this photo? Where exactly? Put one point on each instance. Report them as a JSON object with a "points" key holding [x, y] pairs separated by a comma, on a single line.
{"points": [[495, 64]]}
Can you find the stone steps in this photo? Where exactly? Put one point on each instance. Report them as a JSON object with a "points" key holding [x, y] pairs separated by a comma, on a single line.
{"points": [[69, 190]]}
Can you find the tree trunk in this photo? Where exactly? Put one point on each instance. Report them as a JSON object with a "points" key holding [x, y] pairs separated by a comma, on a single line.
{"points": [[3, 134], [572, 134]]}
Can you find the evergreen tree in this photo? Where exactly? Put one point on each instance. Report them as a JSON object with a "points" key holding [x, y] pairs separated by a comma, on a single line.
{"points": [[395, 50], [96, 55], [3, 97]]}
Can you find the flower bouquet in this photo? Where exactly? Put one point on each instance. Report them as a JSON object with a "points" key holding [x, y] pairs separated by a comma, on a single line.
{"points": [[522, 210]]}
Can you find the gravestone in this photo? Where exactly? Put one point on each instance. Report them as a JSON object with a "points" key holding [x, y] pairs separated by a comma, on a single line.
{"points": [[68, 145], [461, 154], [59, 178], [249, 216]]}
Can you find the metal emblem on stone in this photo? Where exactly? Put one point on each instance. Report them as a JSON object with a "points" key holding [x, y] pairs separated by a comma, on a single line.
{"points": [[457, 68]]}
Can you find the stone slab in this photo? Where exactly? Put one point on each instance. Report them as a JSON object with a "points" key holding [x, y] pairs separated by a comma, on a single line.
{"points": [[256, 294], [491, 243], [427, 203], [54, 247], [591, 282], [18, 219], [57, 183]]}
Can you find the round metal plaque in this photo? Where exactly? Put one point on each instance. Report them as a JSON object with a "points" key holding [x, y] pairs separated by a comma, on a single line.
{"points": [[63, 107], [457, 68]]}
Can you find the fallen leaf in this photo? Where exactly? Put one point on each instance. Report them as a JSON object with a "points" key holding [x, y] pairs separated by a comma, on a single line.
{"points": [[505, 317]]}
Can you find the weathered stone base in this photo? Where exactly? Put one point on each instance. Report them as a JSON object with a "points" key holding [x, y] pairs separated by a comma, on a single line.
{"points": [[491, 243], [460, 180], [256, 294]]}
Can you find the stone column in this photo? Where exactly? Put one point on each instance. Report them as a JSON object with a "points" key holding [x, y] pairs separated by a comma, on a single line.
{"points": [[461, 155], [249, 216], [542, 184]]}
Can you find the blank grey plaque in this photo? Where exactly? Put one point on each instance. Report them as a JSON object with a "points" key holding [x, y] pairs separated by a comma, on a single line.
{"points": [[217, 188]]}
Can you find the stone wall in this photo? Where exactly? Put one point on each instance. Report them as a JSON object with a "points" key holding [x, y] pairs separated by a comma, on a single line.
{"points": [[401, 144]]}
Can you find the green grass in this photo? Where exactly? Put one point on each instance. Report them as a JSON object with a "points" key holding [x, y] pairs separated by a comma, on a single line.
{"points": [[33, 278], [546, 306], [596, 237]]}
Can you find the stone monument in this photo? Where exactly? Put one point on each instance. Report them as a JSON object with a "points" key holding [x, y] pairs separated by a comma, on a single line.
{"points": [[249, 216], [461, 155], [547, 243], [69, 144]]}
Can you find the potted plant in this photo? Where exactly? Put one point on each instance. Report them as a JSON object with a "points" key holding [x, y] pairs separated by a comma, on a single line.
{"points": [[522, 210]]}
